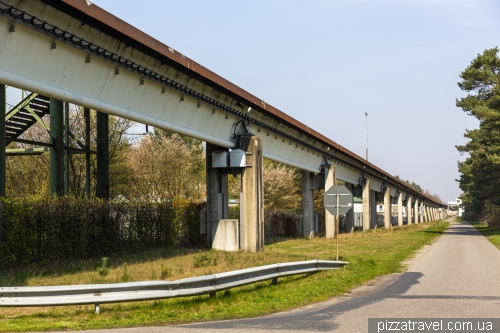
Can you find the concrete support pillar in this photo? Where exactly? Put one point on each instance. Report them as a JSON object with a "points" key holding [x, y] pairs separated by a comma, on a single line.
{"points": [[416, 212], [86, 114], [307, 205], [424, 218], [330, 219], [252, 196], [366, 205], [409, 211], [3, 111], [217, 194], [349, 216], [373, 210], [102, 179], [57, 149], [400, 209], [387, 208]]}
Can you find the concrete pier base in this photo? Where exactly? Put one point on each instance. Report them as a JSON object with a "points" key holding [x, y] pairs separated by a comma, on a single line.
{"points": [[226, 235]]}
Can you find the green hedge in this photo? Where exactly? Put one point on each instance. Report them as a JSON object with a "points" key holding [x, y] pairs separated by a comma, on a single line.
{"points": [[35, 230]]}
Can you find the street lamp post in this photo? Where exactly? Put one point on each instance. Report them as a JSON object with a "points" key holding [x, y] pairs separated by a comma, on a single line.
{"points": [[366, 118]]}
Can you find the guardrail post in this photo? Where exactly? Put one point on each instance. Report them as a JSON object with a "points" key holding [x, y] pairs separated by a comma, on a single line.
{"points": [[97, 309], [275, 281], [213, 294]]}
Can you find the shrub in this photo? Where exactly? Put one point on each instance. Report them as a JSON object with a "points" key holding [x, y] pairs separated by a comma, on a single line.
{"points": [[45, 230]]}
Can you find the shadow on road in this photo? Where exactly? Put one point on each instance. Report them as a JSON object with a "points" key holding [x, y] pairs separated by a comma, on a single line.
{"points": [[318, 318]]}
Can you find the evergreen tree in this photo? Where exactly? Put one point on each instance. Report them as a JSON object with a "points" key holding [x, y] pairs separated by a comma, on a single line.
{"points": [[480, 172]]}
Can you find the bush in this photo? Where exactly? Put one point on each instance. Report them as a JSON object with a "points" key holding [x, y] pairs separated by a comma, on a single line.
{"points": [[45, 230], [283, 225]]}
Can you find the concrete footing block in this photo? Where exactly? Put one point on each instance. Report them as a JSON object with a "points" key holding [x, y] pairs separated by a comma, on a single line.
{"points": [[226, 235]]}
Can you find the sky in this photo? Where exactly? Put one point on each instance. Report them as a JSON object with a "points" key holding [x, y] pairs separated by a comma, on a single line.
{"points": [[326, 63]]}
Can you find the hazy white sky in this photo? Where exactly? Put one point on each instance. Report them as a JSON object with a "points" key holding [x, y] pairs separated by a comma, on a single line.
{"points": [[327, 62]]}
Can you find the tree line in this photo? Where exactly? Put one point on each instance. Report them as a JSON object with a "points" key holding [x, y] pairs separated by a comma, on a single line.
{"points": [[154, 166], [480, 171]]}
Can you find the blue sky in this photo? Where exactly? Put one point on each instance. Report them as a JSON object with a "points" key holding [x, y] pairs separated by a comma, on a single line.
{"points": [[326, 63]]}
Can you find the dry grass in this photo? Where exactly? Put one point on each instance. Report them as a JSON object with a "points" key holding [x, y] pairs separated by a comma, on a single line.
{"points": [[370, 254]]}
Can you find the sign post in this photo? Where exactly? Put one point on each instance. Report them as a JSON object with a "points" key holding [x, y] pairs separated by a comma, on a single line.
{"points": [[337, 201]]}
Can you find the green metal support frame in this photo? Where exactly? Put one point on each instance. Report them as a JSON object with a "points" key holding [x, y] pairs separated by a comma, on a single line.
{"points": [[3, 106], [66, 151], [102, 188], [59, 146], [57, 149], [86, 114], [24, 104]]}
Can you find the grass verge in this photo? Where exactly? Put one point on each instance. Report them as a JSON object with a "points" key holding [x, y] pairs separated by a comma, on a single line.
{"points": [[374, 253], [492, 234]]}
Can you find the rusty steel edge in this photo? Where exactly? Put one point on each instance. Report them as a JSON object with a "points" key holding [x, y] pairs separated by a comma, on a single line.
{"points": [[183, 63]]}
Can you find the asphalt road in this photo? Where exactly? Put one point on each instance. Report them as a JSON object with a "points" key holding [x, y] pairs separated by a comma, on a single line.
{"points": [[456, 277]]}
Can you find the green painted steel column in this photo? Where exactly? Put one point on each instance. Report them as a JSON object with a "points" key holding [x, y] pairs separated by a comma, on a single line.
{"points": [[66, 151], [102, 190], [3, 108], [57, 149], [86, 114], [3, 111]]}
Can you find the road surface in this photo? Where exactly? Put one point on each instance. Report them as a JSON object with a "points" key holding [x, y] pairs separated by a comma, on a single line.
{"points": [[455, 277]]}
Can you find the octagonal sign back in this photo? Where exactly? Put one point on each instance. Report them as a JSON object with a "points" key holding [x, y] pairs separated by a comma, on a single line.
{"points": [[330, 200]]}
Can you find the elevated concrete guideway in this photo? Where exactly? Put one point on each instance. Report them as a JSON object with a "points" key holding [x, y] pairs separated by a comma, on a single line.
{"points": [[76, 52]]}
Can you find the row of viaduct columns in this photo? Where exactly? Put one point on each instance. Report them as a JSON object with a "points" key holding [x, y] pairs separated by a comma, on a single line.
{"points": [[248, 232], [416, 210]]}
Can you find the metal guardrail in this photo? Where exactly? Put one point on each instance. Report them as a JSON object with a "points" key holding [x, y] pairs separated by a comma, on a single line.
{"points": [[153, 290]]}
